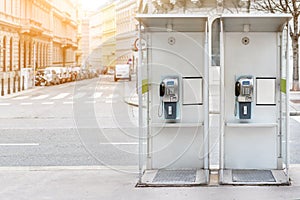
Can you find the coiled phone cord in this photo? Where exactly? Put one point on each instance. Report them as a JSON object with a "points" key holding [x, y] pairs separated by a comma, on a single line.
{"points": [[235, 106], [160, 108]]}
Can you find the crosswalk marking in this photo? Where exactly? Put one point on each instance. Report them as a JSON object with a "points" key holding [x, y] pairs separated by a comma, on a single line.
{"points": [[4, 104], [19, 144], [61, 96], [21, 97], [103, 87], [26, 104], [44, 96], [48, 103], [68, 98], [90, 102], [96, 95], [68, 102], [78, 95], [109, 96]]}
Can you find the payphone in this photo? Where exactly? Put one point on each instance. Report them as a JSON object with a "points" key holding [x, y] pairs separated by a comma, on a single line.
{"points": [[243, 96], [169, 93]]}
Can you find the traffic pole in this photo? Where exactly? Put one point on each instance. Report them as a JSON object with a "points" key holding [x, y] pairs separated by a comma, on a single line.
{"points": [[2, 87], [19, 83], [14, 85], [8, 85], [23, 83]]}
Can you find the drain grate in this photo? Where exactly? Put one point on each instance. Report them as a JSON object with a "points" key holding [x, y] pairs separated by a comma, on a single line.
{"points": [[252, 176], [175, 176]]}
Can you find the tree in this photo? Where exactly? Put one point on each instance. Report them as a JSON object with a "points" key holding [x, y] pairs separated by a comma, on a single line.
{"points": [[291, 7]]}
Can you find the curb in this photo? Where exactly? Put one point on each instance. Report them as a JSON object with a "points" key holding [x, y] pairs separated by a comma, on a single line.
{"points": [[130, 103], [133, 169], [295, 113]]}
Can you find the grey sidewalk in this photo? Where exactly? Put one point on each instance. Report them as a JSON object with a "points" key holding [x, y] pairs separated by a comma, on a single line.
{"points": [[109, 184]]}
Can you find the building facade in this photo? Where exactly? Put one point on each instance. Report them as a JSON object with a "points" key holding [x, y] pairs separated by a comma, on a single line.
{"points": [[95, 51], [109, 35], [35, 34], [85, 42], [126, 32]]}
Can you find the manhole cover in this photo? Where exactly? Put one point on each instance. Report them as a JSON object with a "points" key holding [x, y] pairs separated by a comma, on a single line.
{"points": [[169, 176], [295, 101], [252, 176]]}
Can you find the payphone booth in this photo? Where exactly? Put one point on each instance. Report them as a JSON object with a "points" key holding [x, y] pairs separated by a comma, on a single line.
{"points": [[254, 100], [173, 99]]}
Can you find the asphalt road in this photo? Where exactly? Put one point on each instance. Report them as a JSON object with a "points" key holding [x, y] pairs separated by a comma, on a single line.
{"points": [[83, 123], [79, 123]]}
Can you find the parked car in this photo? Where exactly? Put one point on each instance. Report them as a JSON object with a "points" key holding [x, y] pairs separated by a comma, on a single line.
{"points": [[93, 73], [39, 79], [122, 72], [51, 76]]}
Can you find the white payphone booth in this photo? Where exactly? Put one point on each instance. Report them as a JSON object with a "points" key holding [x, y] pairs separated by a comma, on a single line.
{"points": [[254, 100], [173, 82]]}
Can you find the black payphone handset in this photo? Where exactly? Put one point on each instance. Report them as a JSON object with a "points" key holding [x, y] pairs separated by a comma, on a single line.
{"points": [[162, 89], [237, 93], [237, 89]]}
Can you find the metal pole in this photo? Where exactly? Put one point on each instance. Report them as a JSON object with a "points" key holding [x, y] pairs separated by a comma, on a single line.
{"points": [[287, 146], [14, 84], [206, 106], [19, 83], [23, 81], [2, 87], [34, 62], [8, 85], [140, 94], [222, 101]]}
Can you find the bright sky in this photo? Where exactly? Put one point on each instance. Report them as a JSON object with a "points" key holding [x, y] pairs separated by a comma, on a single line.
{"points": [[92, 4]]}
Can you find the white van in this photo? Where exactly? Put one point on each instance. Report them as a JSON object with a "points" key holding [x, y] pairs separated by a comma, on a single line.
{"points": [[122, 72]]}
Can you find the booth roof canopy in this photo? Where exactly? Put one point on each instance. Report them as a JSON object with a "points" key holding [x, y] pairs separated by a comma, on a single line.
{"points": [[257, 23], [182, 23]]}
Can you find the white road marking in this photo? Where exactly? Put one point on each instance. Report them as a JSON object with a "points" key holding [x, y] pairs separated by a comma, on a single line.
{"points": [[26, 104], [19, 144], [109, 96], [48, 103], [44, 96], [96, 95], [68, 102], [119, 143], [4, 104], [90, 102], [78, 95], [61, 96], [20, 98], [103, 87]]}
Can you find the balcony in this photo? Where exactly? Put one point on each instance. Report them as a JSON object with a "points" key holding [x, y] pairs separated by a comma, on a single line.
{"points": [[68, 43], [9, 20], [32, 27]]}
